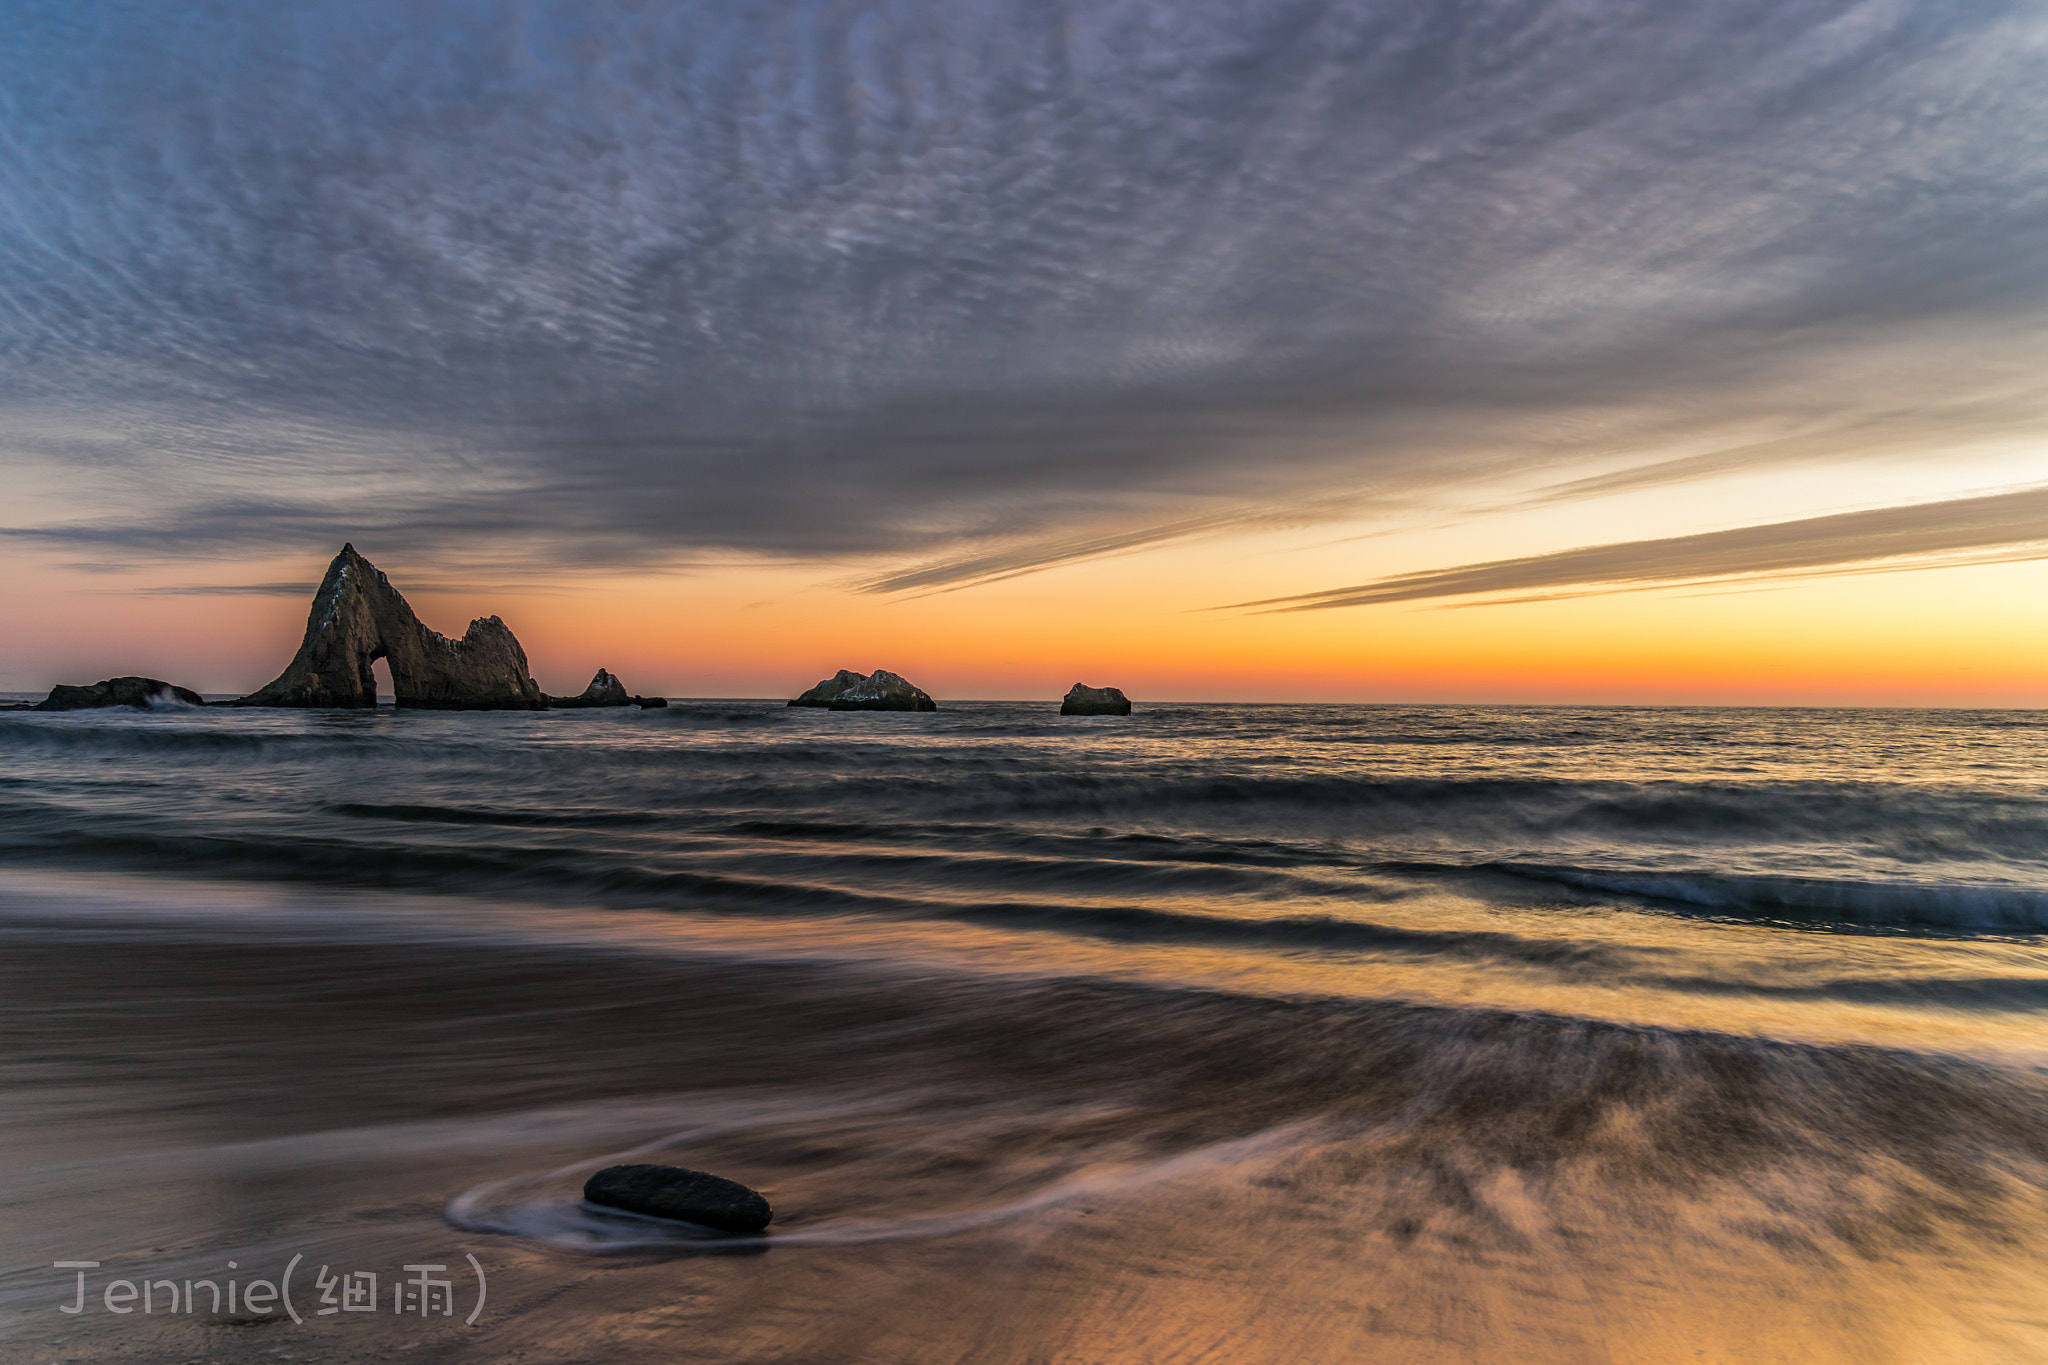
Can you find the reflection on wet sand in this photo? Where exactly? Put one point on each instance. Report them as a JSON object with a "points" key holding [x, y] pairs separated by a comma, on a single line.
{"points": [[991, 1168]]}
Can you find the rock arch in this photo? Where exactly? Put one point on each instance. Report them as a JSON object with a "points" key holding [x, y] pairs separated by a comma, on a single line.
{"points": [[358, 618]]}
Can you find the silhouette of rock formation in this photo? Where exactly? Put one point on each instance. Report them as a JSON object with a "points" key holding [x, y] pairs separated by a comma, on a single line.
{"points": [[118, 692], [881, 690], [1083, 700], [605, 690], [824, 692], [358, 618]]}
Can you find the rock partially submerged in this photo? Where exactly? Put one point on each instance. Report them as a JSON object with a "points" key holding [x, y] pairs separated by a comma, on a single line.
{"points": [[138, 692], [1083, 700], [688, 1196], [605, 690], [824, 693], [358, 618], [881, 690], [884, 691]]}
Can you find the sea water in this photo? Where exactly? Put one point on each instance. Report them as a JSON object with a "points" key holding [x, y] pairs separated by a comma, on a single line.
{"points": [[1212, 1032]]}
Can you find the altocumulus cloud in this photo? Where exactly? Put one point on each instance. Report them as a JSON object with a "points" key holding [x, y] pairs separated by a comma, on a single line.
{"points": [[985, 286]]}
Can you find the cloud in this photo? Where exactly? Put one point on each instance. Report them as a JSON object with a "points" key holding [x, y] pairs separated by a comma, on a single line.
{"points": [[1993, 528], [974, 286], [301, 590]]}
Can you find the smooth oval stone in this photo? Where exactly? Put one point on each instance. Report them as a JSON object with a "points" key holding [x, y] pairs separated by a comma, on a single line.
{"points": [[671, 1192]]}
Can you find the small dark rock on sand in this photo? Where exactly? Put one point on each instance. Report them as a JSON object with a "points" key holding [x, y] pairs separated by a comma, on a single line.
{"points": [[138, 692], [1083, 700], [689, 1196]]}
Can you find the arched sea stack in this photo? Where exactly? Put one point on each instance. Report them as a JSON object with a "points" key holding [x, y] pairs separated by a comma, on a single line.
{"points": [[358, 618]]}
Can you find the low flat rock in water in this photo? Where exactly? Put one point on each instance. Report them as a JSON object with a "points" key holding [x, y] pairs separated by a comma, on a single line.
{"points": [[1083, 700], [672, 1192], [139, 692]]}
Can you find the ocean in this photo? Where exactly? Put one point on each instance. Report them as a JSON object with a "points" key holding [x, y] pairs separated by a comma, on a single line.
{"points": [[1215, 1033]]}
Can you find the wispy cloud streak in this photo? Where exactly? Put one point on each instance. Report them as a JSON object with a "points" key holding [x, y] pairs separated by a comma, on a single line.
{"points": [[1813, 543]]}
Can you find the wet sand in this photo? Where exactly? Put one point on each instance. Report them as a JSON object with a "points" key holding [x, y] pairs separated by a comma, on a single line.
{"points": [[974, 1168]]}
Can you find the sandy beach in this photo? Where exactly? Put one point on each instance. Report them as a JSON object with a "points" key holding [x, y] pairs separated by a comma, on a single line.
{"points": [[962, 1168]]}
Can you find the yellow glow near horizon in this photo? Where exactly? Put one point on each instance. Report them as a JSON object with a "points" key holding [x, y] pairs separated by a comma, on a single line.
{"points": [[1150, 621], [1966, 636]]}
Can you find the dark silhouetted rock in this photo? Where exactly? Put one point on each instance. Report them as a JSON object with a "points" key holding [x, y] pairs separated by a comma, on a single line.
{"points": [[877, 691], [824, 692], [884, 691], [672, 1192], [605, 690], [118, 692], [1083, 700], [358, 618]]}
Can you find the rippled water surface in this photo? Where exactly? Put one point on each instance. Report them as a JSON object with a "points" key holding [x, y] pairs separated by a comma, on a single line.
{"points": [[1214, 1032]]}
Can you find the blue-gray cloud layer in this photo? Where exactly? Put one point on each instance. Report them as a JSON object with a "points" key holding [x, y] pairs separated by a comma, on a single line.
{"points": [[623, 281]]}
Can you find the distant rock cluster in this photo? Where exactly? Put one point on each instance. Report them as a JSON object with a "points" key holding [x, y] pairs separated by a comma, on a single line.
{"points": [[357, 618], [881, 690]]}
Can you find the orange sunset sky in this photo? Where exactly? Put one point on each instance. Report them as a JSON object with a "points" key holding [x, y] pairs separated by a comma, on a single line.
{"points": [[1157, 620]]}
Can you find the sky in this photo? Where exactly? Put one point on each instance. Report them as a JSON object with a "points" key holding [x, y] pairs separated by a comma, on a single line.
{"points": [[1399, 350]]}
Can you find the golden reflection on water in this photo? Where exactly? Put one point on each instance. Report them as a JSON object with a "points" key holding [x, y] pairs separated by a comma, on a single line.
{"points": [[1852, 1210], [1738, 986]]}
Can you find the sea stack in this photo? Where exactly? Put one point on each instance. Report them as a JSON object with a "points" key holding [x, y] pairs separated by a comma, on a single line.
{"points": [[881, 690], [137, 692], [1083, 700], [605, 690], [358, 618]]}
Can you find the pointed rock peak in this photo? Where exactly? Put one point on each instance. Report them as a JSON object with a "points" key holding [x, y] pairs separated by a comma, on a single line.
{"points": [[605, 690], [357, 618]]}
